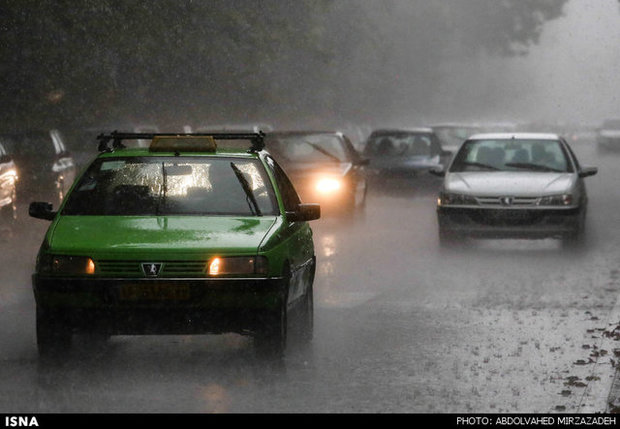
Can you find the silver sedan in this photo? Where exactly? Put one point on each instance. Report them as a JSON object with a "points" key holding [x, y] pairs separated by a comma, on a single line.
{"points": [[523, 185]]}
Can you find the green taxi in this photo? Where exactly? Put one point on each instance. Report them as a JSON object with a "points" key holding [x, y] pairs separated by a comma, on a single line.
{"points": [[190, 235]]}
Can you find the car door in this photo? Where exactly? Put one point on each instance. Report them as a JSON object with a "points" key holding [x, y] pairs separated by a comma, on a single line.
{"points": [[297, 236]]}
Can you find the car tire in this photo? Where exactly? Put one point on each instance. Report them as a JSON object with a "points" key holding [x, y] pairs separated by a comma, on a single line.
{"points": [[576, 239], [447, 239], [307, 317], [53, 335], [271, 340]]}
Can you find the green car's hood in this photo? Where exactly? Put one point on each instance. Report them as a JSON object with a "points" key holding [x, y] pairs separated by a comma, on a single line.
{"points": [[163, 235]]}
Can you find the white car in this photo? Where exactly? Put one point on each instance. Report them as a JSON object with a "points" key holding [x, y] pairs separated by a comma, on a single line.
{"points": [[517, 185]]}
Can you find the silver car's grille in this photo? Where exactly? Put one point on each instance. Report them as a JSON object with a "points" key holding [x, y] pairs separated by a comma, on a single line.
{"points": [[506, 216], [506, 201]]}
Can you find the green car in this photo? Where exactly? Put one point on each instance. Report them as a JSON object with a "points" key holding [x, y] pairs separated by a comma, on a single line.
{"points": [[190, 235]]}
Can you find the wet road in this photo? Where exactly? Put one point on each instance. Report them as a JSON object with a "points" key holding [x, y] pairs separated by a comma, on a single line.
{"points": [[400, 326]]}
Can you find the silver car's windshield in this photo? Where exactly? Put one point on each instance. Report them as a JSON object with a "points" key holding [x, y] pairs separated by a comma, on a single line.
{"points": [[512, 155]]}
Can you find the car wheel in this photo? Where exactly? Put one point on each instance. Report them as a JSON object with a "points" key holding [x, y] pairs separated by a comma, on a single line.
{"points": [[576, 239], [53, 336], [447, 238], [272, 337], [307, 317]]}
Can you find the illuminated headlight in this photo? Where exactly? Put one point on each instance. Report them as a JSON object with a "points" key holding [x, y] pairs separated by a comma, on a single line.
{"points": [[328, 185], [68, 265], [450, 199], [221, 266], [556, 200]]}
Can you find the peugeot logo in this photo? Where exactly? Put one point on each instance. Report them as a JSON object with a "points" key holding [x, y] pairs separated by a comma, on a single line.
{"points": [[151, 269], [506, 201]]}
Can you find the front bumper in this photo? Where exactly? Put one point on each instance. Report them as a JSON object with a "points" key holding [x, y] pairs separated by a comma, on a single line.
{"points": [[510, 223], [159, 306]]}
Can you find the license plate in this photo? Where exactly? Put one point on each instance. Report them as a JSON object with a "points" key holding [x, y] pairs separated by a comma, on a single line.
{"points": [[159, 292]]}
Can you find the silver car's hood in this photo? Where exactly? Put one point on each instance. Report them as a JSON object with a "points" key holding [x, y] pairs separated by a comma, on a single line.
{"points": [[517, 183]]}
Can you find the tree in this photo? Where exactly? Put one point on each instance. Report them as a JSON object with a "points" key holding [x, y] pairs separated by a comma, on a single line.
{"points": [[89, 62]]}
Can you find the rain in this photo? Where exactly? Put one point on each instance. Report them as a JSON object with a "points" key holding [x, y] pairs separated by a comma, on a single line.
{"points": [[401, 323]]}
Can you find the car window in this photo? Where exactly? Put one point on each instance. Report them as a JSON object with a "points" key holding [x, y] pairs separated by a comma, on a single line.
{"points": [[290, 198], [308, 148], [453, 136], [57, 139], [512, 155], [173, 186], [399, 144], [34, 146]]}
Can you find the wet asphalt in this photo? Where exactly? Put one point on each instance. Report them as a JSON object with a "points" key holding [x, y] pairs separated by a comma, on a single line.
{"points": [[400, 326]]}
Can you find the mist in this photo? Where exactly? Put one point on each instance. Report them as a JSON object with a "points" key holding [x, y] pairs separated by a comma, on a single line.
{"points": [[570, 76], [315, 64]]}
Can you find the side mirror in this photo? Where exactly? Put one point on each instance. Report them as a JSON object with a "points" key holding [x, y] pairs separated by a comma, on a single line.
{"points": [[304, 212], [41, 210], [439, 172], [588, 171]]}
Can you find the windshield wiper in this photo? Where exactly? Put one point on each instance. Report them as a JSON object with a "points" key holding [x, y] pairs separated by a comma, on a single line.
{"points": [[529, 166], [480, 165], [246, 188], [323, 151], [162, 191]]}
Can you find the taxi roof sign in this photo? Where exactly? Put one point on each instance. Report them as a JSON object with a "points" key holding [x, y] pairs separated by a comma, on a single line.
{"points": [[183, 144], [185, 141]]}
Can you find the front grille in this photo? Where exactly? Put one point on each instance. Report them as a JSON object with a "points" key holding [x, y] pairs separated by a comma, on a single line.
{"points": [[506, 217], [501, 201], [134, 268]]}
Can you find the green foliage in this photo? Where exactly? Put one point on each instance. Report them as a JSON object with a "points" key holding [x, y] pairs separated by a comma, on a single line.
{"points": [[90, 62]]}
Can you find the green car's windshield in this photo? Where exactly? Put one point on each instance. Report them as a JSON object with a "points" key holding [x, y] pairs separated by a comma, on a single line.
{"points": [[173, 186], [512, 155]]}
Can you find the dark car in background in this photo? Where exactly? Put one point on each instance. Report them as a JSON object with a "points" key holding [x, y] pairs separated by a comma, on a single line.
{"points": [[8, 193], [608, 135], [452, 135], [404, 153], [323, 166], [46, 166]]}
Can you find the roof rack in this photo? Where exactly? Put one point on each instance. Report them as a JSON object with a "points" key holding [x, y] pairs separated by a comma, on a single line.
{"points": [[257, 139]]}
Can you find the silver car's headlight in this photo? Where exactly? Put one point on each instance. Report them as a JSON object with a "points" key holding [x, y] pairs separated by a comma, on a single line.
{"points": [[556, 200], [452, 199]]}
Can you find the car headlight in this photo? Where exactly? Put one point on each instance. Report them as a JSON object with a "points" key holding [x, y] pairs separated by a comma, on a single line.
{"points": [[451, 199], [67, 265], [556, 200], [219, 265], [328, 184]]}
